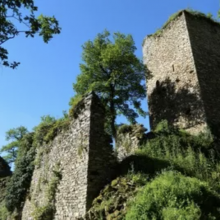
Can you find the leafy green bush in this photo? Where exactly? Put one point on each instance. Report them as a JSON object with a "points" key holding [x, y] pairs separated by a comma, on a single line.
{"points": [[73, 103], [42, 129], [192, 155], [48, 129], [58, 126], [195, 13], [3, 212], [112, 200], [125, 128], [44, 213], [20, 181], [47, 211], [174, 196]]}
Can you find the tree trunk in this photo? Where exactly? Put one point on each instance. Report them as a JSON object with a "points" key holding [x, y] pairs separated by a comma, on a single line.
{"points": [[112, 111]]}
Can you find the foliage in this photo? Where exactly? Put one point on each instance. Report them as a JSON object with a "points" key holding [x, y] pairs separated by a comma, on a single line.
{"points": [[43, 213], [73, 103], [17, 17], [111, 69], [58, 126], [192, 155], [123, 129], [42, 129], [3, 183], [3, 212], [174, 196], [47, 212], [48, 129], [111, 202], [15, 135], [21, 178], [188, 187], [192, 12]]}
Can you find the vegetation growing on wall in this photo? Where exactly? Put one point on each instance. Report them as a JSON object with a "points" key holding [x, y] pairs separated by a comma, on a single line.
{"points": [[19, 184], [174, 196], [112, 199], [184, 180], [197, 14], [49, 128], [47, 211]]}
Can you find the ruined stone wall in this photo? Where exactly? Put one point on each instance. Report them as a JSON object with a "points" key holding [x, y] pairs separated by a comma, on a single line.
{"points": [[129, 139], [173, 91], [205, 42], [80, 156]]}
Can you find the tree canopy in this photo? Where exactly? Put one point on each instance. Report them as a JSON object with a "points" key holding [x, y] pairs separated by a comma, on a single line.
{"points": [[19, 16], [112, 70], [14, 135]]}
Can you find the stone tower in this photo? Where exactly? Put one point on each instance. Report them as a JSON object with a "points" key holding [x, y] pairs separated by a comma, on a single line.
{"points": [[184, 61]]}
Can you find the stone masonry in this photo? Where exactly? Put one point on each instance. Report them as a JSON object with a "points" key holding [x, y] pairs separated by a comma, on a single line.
{"points": [[184, 61], [129, 140], [82, 155]]}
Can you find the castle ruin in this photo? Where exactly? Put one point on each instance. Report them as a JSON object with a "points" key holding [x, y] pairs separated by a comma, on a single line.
{"points": [[82, 156], [184, 61]]}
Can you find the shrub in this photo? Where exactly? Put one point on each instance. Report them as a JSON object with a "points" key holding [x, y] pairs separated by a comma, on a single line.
{"points": [[44, 213], [123, 129], [112, 200], [174, 196], [20, 181], [47, 211], [74, 101], [48, 129], [3, 212], [192, 155]]}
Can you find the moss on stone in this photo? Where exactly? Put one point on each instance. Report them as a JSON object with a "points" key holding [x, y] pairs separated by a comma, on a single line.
{"points": [[47, 211], [177, 14], [112, 200], [77, 105]]}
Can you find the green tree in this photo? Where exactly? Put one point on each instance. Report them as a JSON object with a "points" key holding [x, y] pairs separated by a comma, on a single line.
{"points": [[14, 135], [19, 16], [111, 69]]}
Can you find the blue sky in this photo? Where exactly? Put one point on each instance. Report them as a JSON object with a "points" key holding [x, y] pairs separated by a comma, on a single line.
{"points": [[42, 84]]}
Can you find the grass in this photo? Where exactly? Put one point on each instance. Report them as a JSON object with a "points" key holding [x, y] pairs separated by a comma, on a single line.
{"points": [[179, 178], [177, 14]]}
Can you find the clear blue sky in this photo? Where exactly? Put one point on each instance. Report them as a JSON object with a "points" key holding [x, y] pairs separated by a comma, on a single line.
{"points": [[42, 84]]}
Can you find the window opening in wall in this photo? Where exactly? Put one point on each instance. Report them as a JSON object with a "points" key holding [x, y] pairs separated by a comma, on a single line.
{"points": [[173, 68]]}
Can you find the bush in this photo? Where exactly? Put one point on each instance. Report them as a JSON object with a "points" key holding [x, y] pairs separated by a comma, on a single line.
{"points": [[112, 200], [20, 181], [192, 155], [47, 211], [3, 212], [174, 196], [48, 129]]}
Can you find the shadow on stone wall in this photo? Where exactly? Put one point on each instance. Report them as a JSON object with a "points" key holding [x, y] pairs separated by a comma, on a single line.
{"points": [[167, 103]]}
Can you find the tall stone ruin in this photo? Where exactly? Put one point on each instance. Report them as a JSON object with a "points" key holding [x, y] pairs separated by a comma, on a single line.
{"points": [[81, 156], [184, 61]]}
